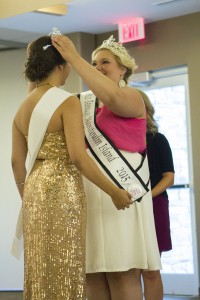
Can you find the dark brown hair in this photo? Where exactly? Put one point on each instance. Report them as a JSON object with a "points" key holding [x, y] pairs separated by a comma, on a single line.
{"points": [[40, 62]]}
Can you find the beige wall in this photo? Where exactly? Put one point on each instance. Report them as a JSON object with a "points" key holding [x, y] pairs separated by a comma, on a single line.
{"points": [[85, 44], [169, 43], [12, 92]]}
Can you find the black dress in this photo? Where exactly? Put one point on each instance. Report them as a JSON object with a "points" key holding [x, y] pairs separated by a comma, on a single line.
{"points": [[160, 161]]}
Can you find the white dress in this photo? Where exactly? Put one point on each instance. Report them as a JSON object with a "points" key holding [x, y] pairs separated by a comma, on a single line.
{"points": [[118, 240]]}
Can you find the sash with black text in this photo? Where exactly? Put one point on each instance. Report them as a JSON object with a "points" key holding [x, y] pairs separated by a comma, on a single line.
{"points": [[134, 180]]}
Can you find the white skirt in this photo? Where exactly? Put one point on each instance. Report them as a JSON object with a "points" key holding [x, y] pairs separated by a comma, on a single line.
{"points": [[119, 240]]}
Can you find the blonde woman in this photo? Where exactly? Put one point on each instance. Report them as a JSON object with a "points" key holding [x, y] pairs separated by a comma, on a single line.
{"points": [[115, 129]]}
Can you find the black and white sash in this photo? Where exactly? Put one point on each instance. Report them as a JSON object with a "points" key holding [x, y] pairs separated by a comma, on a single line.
{"points": [[39, 122], [135, 180]]}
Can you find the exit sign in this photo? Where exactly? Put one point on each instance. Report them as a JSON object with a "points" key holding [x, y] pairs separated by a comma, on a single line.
{"points": [[131, 30]]}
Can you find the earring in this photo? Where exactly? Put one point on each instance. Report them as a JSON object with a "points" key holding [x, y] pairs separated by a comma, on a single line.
{"points": [[122, 83]]}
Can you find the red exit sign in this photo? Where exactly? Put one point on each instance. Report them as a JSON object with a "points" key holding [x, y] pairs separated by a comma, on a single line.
{"points": [[131, 30]]}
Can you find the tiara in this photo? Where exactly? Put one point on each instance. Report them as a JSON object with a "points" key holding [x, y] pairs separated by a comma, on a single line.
{"points": [[120, 51], [54, 32]]}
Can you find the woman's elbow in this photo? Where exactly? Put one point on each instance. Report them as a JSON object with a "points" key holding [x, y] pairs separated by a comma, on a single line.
{"points": [[168, 179], [171, 180], [17, 164], [78, 161], [13, 163]]}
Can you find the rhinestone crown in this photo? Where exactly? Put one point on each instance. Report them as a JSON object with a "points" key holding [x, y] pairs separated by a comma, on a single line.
{"points": [[118, 50], [54, 32]]}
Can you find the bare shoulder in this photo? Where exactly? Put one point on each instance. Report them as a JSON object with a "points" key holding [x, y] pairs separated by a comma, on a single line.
{"points": [[133, 92], [135, 97], [22, 110], [72, 100], [71, 105]]}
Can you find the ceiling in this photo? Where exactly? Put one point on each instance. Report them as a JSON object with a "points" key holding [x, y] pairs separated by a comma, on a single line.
{"points": [[90, 16]]}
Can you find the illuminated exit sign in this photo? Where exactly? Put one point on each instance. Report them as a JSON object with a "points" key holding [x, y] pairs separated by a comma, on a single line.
{"points": [[131, 30]]}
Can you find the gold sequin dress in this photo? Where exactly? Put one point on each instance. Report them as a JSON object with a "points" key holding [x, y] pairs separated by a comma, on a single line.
{"points": [[54, 222]]}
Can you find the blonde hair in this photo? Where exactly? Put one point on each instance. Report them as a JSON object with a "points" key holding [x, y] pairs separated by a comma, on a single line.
{"points": [[121, 55], [152, 126]]}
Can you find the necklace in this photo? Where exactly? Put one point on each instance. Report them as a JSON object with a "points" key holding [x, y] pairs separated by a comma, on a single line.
{"points": [[38, 85]]}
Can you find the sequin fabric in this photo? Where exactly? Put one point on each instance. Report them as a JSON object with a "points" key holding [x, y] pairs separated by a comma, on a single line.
{"points": [[54, 222]]}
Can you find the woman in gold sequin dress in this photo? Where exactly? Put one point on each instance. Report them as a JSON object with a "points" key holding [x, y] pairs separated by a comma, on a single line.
{"points": [[51, 188]]}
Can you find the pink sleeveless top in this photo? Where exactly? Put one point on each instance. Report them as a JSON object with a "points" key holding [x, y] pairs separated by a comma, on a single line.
{"points": [[127, 134]]}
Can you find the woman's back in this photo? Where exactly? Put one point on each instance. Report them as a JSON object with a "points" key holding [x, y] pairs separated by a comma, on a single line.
{"points": [[54, 146], [25, 111]]}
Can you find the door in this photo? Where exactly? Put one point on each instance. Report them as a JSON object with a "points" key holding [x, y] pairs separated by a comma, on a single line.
{"points": [[168, 92]]}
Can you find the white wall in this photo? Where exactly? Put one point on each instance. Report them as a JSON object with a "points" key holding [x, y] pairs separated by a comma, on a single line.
{"points": [[12, 91]]}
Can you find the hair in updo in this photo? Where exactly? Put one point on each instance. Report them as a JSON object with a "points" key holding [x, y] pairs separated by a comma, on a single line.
{"points": [[40, 62]]}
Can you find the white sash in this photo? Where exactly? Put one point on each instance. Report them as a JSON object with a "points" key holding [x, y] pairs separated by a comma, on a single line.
{"points": [[135, 180], [39, 122]]}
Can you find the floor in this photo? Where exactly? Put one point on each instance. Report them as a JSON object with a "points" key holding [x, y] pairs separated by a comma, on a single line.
{"points": [[18, 296]]}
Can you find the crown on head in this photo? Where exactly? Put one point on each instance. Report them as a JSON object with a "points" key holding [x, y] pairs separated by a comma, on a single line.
{"points": [[120, 51], [54, 32]]}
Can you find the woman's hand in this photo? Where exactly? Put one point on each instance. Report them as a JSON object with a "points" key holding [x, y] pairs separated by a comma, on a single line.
{"points": [[121, 199], [65, 47]]}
